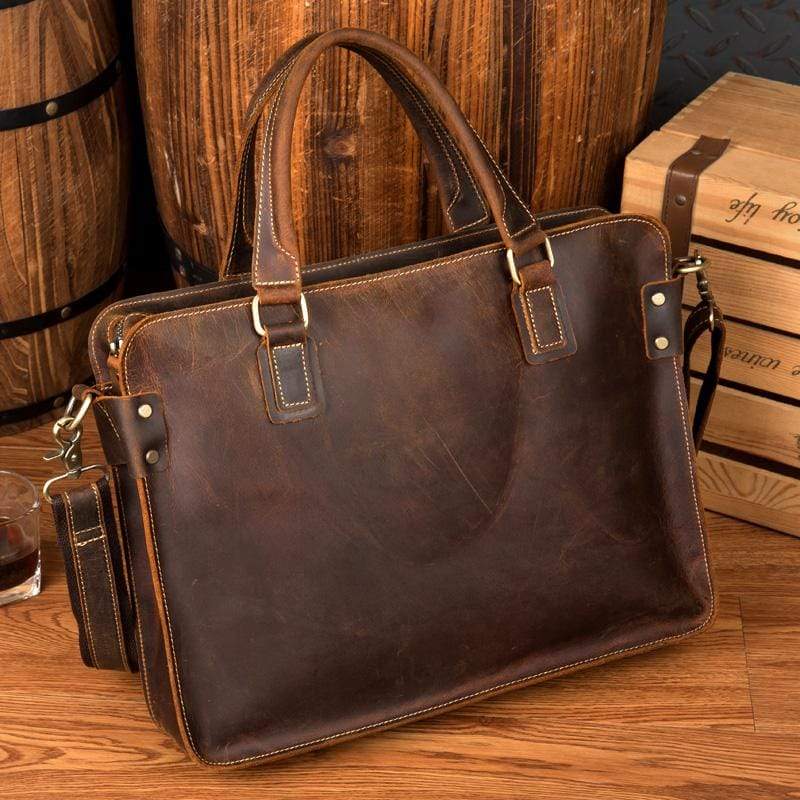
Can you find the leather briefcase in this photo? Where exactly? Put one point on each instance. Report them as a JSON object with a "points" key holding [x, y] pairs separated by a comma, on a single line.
{"points": [[355, 494]]}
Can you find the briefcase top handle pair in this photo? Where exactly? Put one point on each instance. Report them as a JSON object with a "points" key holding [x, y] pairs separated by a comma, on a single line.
{"points": [[276, 272]]}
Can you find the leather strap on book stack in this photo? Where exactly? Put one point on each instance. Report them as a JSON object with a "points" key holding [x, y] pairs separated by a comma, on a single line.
{"points": [[680, 192]]}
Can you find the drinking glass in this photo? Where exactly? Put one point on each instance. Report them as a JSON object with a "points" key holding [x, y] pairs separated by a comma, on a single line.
{"points": [[20, 562]]}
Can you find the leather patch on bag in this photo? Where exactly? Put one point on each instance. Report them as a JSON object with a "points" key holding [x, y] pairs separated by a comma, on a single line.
{"points": [[291, 379], [543, 324], [661, 318], [133, 432]]}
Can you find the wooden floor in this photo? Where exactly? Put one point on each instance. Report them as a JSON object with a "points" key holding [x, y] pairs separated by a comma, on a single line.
{"points": [[715, 717]]}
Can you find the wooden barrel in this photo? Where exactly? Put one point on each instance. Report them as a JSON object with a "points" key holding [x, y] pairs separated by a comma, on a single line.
{"points": [[64, 177], [559, 91]]}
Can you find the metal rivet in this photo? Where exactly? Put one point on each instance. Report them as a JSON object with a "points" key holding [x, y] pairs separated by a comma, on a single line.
{"points": [[145, 411], [151, 456], [680, 199], [661, 343], [697, 152], [58, 402], [65, 312], [51, 109], [658, 299]]}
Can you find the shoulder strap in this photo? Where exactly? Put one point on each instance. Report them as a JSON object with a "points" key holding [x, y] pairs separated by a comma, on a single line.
{"points": [[88, 537], [680, 192]]}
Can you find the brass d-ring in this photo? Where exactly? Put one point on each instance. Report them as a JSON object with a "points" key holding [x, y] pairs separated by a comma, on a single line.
{"points": [[512, 264], [256, 309]]}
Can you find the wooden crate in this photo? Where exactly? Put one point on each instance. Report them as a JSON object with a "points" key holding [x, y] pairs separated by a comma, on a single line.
{"points": [[747, 224]]}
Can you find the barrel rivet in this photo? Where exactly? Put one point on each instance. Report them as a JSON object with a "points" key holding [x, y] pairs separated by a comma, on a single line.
{"points": [[51, 109]]}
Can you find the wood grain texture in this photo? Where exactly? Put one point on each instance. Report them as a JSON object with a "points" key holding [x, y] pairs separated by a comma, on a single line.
{"points": [[757, 495], [714, 718], [763, 359], [758, 425], [559, 91], [63, 189], [752, 289]]}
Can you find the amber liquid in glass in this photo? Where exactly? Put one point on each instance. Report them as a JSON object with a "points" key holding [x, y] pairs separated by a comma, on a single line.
{"points": [[18, 556]]}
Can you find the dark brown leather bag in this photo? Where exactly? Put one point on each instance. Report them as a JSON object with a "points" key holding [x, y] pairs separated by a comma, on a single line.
{"points": [[355, 494]]}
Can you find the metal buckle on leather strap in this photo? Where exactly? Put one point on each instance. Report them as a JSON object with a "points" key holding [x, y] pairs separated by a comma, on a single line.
{"points": [[512, 264], [259, 327], [696, 265], [67, 433]]}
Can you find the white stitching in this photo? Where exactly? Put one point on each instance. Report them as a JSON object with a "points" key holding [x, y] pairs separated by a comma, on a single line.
{"points": [[620, 220], [399, 273], [225, 305], [166, 614], [393, 251], [266, 161], [505, 183], [239, 211], [109, 576], [560, 339], [99, 407], [86, 530], [89, 541], [142, 659], [277, 370], [414, 98], [437, 126], [127, 304], [79, 571]]}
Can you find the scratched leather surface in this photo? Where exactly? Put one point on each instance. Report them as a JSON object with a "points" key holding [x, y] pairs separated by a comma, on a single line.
{"points": [[455, 520]]}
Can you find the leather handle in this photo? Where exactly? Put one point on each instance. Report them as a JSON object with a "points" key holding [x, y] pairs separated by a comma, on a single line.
{"points": [[276, 262], [462, 204]]}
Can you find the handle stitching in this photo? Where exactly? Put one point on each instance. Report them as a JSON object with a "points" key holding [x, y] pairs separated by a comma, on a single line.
{"points": [[79, 572], [555, 342], [239, 211], [437, 125], [109, 576], [307, 399], [267, 155]]}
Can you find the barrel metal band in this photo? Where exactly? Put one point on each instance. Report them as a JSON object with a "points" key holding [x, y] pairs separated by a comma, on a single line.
{"points": [[192, 271], [46, 110], [38, 322], [12, 416], [12, 3]]}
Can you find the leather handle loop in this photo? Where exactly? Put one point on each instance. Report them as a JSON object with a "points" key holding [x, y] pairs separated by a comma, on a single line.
{"points": [[462, 204], [276, 262]]}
